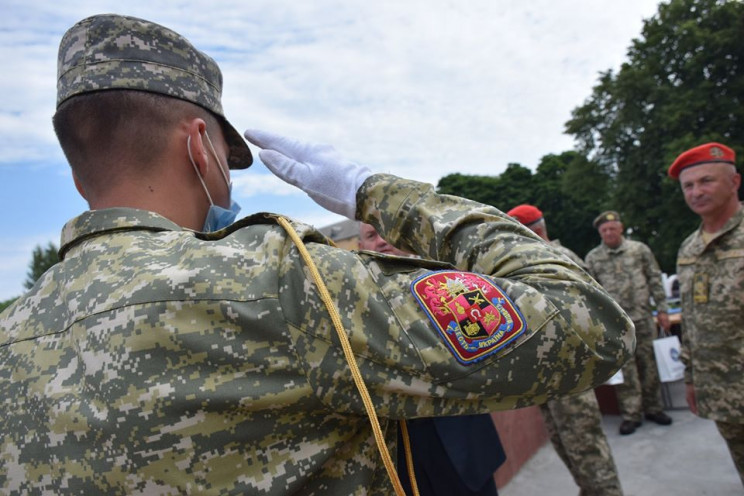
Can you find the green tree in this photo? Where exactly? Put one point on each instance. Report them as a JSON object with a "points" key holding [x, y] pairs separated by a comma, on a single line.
{"points": [[510, 188], [569, 189], [681, 86], [5, 304], [41, 260]]}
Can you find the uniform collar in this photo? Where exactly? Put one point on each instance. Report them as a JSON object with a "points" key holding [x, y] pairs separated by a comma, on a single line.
{"points": [[95, 222], [698, 245]]}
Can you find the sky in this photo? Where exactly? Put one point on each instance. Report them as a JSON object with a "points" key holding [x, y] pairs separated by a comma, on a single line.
{"points": [[420, 89]]}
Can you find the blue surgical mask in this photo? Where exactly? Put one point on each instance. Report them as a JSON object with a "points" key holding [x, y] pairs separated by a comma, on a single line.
{"points": [[220, 217], [217, 217]]}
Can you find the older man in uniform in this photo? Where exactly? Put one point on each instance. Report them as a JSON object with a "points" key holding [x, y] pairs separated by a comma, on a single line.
{"points": [[710, 267], [174, 352], [630, 273], [575, 422]]}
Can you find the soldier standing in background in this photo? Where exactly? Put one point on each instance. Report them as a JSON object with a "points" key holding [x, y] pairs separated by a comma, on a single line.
{"points": [[629, 272], [574, 422], [710, 267]]}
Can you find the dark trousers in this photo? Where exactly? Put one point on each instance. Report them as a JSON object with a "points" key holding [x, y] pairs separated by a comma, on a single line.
{"points": [[452, 455]]}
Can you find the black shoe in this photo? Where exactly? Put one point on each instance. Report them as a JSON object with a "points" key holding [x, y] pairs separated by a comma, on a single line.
{"points": [[660, 418], [628, 427]]}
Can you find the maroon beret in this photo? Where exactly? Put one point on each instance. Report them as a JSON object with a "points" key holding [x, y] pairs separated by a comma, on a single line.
{"points": [[703, 154], [526, 214]]}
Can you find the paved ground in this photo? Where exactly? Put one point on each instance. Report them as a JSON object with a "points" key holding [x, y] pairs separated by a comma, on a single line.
{"points": [[688, 458]]}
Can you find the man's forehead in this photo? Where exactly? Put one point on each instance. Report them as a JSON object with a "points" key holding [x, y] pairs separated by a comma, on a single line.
{"points": [[611, 224], [366, 228], [706, 169]]}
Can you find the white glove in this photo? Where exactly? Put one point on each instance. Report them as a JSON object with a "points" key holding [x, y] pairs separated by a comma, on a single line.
{"points": [[316, 169]]}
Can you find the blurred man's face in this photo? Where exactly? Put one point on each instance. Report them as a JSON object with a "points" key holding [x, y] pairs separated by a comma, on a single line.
{"points": [[709, 188], [370, 240], [611, 233]]}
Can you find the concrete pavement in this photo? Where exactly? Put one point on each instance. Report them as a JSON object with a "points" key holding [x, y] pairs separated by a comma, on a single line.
{"points": [[688, 458]]}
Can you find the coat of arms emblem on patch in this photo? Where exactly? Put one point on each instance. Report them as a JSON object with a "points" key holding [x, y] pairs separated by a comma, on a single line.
{"points": [[472, 314]]}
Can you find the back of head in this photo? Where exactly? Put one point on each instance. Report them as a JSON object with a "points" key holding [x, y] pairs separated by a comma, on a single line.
{"points": [[112, 53], [526, 214], [110, 134], [531, 217]]}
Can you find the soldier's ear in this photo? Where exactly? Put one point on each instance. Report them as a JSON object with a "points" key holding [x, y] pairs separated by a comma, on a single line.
{"points": [[195, 143]]}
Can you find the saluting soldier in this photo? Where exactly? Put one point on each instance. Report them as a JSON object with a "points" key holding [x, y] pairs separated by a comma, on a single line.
{"points": [[173, 351]]}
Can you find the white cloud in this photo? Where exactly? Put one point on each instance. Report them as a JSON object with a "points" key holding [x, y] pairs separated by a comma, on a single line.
{"points": [[15, 258], [420, 88]]}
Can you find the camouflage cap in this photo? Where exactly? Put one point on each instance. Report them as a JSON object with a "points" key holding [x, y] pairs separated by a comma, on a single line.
{"points": [[110, 52], [608, 216]]}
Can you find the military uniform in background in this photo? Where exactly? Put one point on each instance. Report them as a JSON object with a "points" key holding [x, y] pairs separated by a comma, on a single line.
{"points": [[153, 358], [631, 275], [575, 426], [574, 422], [711, 276]]}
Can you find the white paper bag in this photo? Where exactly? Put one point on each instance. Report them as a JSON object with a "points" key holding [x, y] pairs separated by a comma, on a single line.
{"points": [[670, 366], [616, 379]]}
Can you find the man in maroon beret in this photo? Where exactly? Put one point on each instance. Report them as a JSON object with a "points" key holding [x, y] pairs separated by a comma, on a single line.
{"points": [[527, 215], [575, 422], [710, 268]]}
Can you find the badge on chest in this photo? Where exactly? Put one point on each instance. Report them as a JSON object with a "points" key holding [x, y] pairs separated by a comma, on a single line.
{"points": [[700, 287]]}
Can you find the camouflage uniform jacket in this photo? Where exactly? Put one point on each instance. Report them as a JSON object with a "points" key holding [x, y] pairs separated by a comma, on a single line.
{"points": [[153, 359], [711, 280], [568, 252], [630, 274]]}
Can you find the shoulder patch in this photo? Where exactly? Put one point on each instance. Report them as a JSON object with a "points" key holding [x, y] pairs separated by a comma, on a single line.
{"points": [[474, 316]]}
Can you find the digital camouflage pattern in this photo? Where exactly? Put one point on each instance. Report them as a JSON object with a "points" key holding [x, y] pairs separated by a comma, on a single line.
{"points": [[154, 359], [631, 275], [574, 423], [575, 427], [640, 391], [569, 253], [711, 278], [114, 52]]}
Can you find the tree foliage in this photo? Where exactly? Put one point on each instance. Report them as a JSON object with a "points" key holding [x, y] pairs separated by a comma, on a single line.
{"points": [[42, 259], [682, 86], [569, 189], [5, 304]]}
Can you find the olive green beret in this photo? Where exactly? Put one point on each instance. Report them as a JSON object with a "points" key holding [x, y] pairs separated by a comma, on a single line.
{"points": [[608, 216], [115, 52]]}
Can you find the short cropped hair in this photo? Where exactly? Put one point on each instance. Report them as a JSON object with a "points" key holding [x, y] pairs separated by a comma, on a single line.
{"points": [[108, 133]]}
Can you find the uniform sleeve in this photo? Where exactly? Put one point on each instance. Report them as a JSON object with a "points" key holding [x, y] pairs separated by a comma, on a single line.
{"points": [[684, 355], [589, 263], [653, 276], [571, 334]]}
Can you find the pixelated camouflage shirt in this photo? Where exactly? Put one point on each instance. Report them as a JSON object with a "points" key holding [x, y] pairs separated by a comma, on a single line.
{"points": [[711, 278], [568, 252], [630, 274], [156, 360]]}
